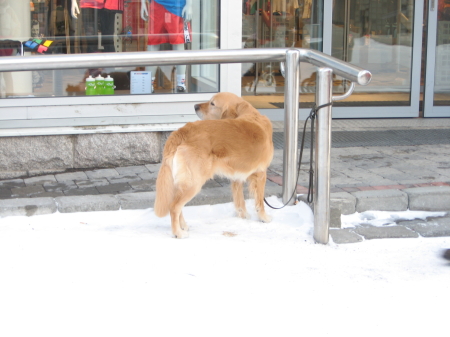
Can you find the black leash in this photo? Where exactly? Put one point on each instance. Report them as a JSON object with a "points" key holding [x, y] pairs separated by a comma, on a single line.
{"points": [[312, 117]]}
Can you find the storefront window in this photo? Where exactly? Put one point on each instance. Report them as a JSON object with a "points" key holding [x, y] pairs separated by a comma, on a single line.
{"points": [[278, 24], [43, 27]]}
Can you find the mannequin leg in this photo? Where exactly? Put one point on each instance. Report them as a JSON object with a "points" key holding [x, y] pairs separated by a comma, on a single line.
{"points": [[181, 71], [152, 69]]}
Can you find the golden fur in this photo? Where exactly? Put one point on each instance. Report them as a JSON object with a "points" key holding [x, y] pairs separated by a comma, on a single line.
{"points": [[232, 140]]}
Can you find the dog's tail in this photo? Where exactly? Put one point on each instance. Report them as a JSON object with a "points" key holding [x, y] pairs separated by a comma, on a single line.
{"points": [[165, 186], [164, 189]]}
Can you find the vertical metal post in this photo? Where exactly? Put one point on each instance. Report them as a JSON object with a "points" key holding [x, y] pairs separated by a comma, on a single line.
{"points": [[291, 104], [322, 156]]}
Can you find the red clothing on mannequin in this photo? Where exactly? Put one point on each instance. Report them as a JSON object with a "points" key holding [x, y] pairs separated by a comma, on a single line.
{"points": [[114, 5], [164, 26]]}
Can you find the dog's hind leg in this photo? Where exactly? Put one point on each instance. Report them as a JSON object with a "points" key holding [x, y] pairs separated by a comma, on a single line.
{"points": [[257, 184], [182, 196], [238, 198]]}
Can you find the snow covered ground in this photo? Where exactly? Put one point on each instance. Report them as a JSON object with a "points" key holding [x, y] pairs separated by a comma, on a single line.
{"points": [[122, 274]]}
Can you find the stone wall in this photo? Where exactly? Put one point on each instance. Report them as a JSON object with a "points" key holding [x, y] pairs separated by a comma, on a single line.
{"points": [[37, 155]]}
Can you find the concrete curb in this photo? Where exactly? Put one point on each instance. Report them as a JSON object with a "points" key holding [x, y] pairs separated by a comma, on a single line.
{"points": [[429, 198], [88, 203], [436, 199], [382, 200], [109, 202], [420, 198], [27, 206]]}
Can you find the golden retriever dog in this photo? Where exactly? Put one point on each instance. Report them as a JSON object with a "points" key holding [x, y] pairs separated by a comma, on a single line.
{"points": [[232, 140]]}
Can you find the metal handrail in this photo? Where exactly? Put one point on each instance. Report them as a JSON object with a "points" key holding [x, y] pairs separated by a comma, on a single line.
{"points": [[174, 57], [291, 57]]}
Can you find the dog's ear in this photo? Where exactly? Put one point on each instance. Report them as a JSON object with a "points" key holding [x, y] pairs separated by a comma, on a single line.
{"points": [[229, 112], [243, 107]]}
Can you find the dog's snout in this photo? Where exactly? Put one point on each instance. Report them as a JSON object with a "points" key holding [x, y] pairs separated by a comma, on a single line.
{"points": [[198, 110]]}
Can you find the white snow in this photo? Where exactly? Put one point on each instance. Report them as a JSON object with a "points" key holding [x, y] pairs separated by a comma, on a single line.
{"points": [[122, 274]]}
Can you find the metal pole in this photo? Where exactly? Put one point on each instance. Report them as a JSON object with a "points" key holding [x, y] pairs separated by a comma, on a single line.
{"points": [[291, 101], [322, 156]]}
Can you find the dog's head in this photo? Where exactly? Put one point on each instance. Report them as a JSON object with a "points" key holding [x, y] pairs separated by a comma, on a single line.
{"points": [[223, 105]]}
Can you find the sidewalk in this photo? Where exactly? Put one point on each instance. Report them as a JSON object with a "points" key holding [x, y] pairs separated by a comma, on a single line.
{"points": [[387, 177]]}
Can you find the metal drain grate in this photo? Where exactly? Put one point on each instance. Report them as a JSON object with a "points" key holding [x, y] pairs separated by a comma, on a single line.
{"points": [[376, 138]]}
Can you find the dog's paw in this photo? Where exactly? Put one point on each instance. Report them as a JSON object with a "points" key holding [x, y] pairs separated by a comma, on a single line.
{"points": [[181, 234], [243, 214], [265, 218]]}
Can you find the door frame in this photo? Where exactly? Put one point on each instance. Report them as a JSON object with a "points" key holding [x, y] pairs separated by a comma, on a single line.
{"points": [[429, 109]]}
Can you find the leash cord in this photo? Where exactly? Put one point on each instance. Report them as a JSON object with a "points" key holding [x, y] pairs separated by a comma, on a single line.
{"points": [[312, 117]]}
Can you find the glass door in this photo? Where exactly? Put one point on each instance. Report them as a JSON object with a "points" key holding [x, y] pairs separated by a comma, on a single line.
{"points": [[437, 88], [384, 37], [279, 24]]}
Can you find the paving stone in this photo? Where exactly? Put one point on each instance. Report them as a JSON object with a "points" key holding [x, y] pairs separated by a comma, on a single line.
{"points": [[381, 200], [211, 196], [350, 189], [405, 178], [129, 191], [153, 167], [23, 192], [123, 179], [87, 203], [385, 171], [48, 195], [148, 175], [381, 181], [211, 184], [341, 203], [113, 188], [12, 183], [92, 182], [271, 189], [141, 200], [82, 191], [27, 206], [143, 185], [5, 193], [102, 173], [346, 202], [433, 228], [345, 235], [130, 170], [225, 181], [71, 176], [59, 186], [385, 232], [39, 180], [435, 198]]}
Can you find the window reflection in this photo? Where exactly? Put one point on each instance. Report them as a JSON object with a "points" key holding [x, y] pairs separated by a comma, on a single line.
{"points": [[41, 27], [278, 24], [376, 35]]}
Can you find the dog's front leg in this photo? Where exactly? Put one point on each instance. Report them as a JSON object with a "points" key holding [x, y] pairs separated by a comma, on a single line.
{"points": [[237, 188]]}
